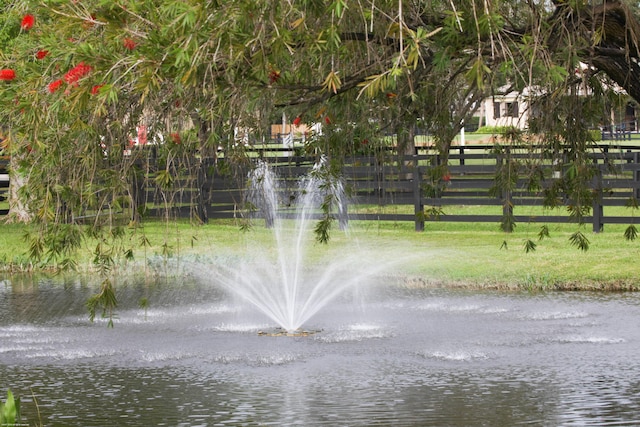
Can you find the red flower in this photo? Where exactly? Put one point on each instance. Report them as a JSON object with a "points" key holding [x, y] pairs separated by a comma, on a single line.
{"points": [[41, 54], [175, 137], [274, 76], [391, 95], [27, 22], [96, 89], [54, 86], [446, 178], [297, 121], [7, 74], [77, 72], [129, 43], [142, 135], [364, 141], [327, 120], [90, 22]]}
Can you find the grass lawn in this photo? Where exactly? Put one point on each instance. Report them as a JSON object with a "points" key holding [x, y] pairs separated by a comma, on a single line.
{"points": [[445, 254]]}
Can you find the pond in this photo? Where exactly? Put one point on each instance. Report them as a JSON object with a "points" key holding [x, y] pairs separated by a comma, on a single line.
{"points": [[393, 355]]}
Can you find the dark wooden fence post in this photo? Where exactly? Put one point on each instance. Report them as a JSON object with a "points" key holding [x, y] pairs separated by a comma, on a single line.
{"points": [[598, 210], [636, 175], [507, 202], [138, 191], [417, 195], [380, 178], [200, 199]]}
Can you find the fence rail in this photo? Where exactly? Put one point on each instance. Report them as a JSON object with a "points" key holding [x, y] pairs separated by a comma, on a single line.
{"points": [[416, 187], [412, 184]]}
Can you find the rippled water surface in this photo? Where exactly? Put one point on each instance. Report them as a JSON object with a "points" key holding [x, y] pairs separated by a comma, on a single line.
{"points": [[388, 356]]}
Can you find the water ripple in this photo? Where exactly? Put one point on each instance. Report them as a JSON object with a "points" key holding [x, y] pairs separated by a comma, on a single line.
{"points": [[454, 355], [589, 340], [354, 332]]}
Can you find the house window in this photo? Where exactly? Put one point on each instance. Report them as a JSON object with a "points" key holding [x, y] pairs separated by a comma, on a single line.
{"points": [[512, 109], [496, 110]]}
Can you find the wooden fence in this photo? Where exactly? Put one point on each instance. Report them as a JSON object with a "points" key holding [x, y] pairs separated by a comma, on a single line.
{"points": [[387, 187], [4, 181], [414, 186]]}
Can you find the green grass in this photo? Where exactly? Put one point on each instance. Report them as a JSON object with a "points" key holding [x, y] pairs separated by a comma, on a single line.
{"points": [[447, 254], [475, 254]]}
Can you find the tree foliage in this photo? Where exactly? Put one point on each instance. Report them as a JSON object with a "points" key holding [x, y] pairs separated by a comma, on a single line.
{"points": [[89, 74]]}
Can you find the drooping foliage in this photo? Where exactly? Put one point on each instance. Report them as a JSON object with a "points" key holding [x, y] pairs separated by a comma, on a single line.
{"points": [[94, 79]]}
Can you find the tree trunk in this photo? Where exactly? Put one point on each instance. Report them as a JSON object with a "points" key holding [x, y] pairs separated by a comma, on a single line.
{"points": [[406, 146], [18, 210], [405, 138]]}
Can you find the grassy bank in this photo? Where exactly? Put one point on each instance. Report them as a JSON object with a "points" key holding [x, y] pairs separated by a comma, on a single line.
{"points": [[446, 254]]}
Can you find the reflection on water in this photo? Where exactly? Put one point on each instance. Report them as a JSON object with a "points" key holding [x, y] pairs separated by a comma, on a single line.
{"points": [[398, 357]]}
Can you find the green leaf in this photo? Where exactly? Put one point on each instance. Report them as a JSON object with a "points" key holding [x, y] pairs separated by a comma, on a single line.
{"points": [[529, 246], [106, 300], [544, 232], [631, 233], [375, 84], [579, 240], [338, 7], [164, 179], [632, 202], [434, 212], [477, 73], [508, 222], [557, 74], [332, 82], [322, 229], [10, 410]]}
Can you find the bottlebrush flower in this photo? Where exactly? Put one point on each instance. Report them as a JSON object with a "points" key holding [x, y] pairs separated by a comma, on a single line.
{"points": [[88, 23], [297, 121], [142, 135], [96, 89], [129, 43], [41, 54], [77, 72], [27, 22], [54, 86], [327, 120], [274, 76], [7, 74], [175, 137]]}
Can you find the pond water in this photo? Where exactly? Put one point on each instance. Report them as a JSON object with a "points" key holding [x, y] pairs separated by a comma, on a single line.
{"points": [[390, 356]]}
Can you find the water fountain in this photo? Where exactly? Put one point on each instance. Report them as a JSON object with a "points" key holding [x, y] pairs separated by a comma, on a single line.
{"points": [[408, 355], [287, 287]]}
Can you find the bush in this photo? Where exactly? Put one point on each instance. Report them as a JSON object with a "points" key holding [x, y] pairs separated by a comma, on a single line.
{"points": [[494, 130], [596, 135]]}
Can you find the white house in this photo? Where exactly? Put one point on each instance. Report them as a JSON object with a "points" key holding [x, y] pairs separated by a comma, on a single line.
{"points": [[511, 109], [514, 109]]}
